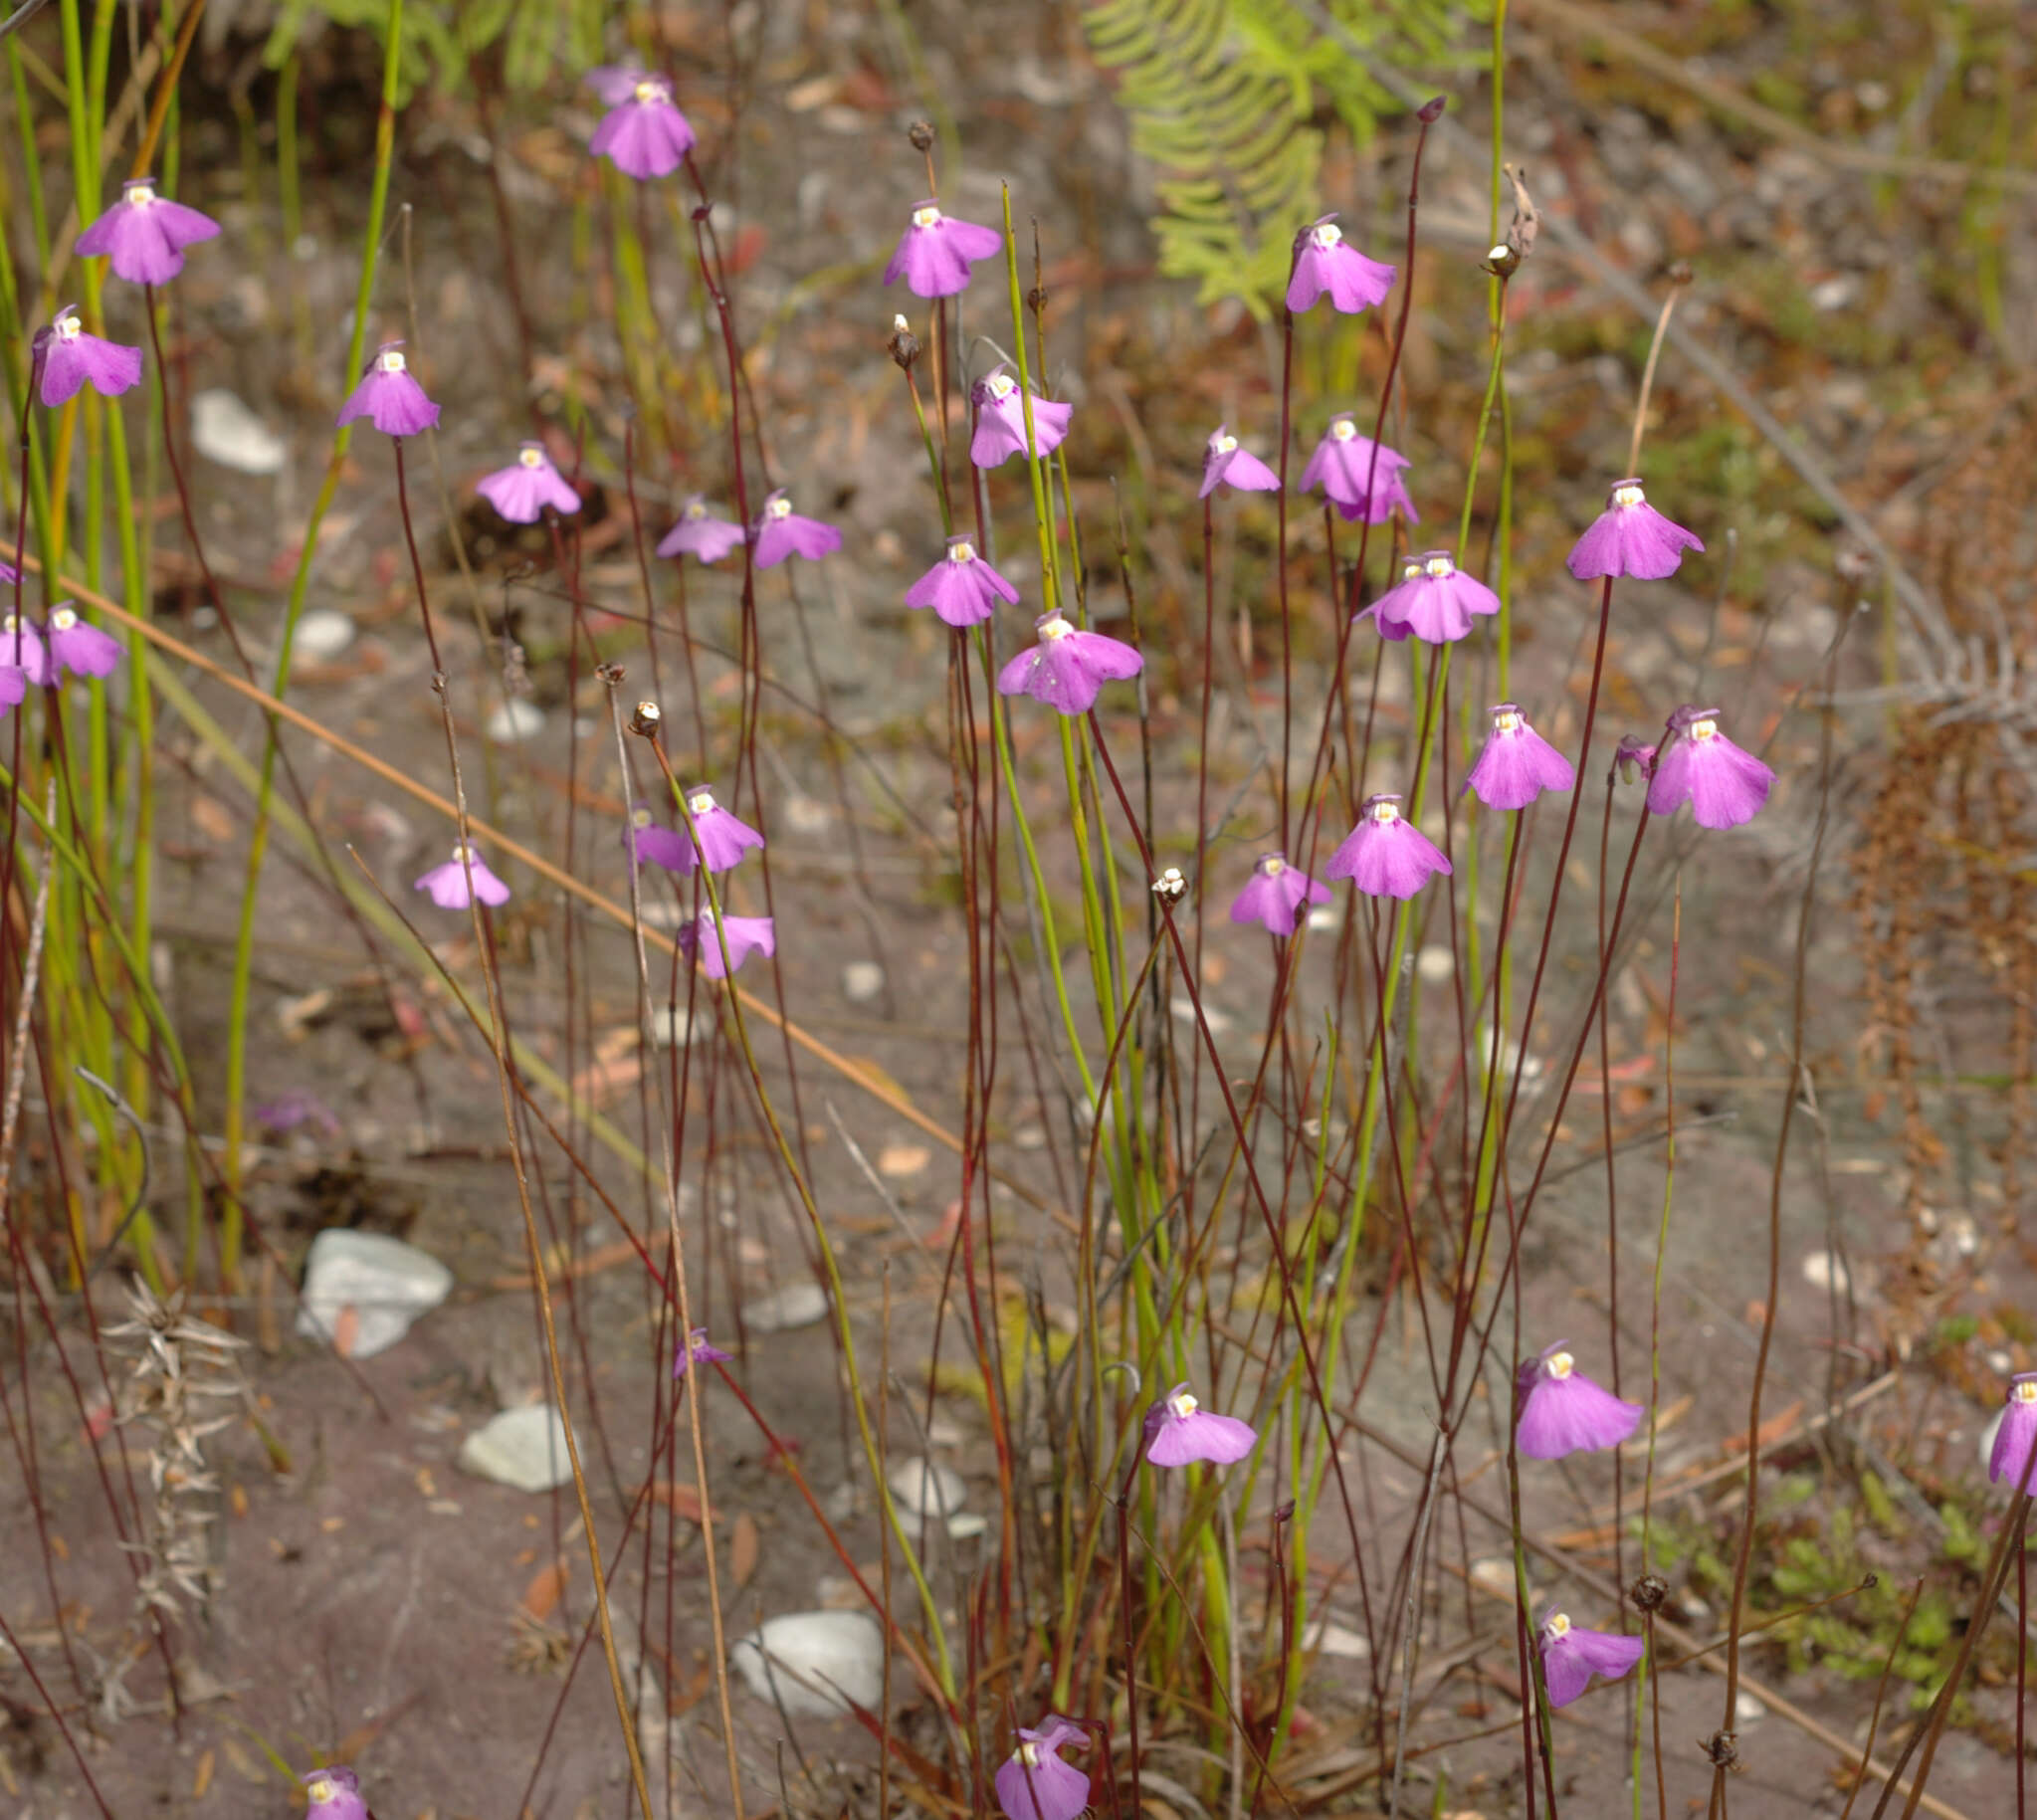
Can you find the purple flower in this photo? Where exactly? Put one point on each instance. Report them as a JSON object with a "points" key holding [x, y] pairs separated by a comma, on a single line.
{"points": [[1563, 1412], [13, 686], [1001, 421], [78, 646], [744, 936], [1630, 537], [722, 837], [1035, 1782], [781, 532], [72, 358], [657, 846], [1226, 464], [700, 534], [643, 133], [1324, 262], [615, 84], [22, 649], [1435, 600], [1275, 893], [1066, 668], [1698, 764], [696, 1352], [448, 884], [1517, 763], [521, 491], [333, 1793], [293, 1108], [1386, 855], [1571, 1655], [145, 234], [935, 252], [389, 397], [1178, 1429], [1354, 483], [2009, 1461], [962, 588]]}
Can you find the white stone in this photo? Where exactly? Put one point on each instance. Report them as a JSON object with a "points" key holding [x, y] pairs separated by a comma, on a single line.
{"points": [[1746, 1709], [385, 1283], [323, 633], [1324, 917], [862, 981], [797, 1305], [923, 1487], [1496, 1574], [802, 815], [814, 1663], [225, 430], [1183, 1007], [669, 1026], [516, 720], [1823, 1270], [525, 1448], [1435, 964], [1335, 1639], [967, 1525]]}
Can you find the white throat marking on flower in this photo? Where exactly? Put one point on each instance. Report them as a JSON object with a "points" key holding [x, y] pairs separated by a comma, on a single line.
{"points": [[701, 802], [1559, 1625], [1560, 1365], [1002, 386], [1183, 1404], [391, 361], [650, 90], [1386, 814], [321, 1790], [1273, 864], [1056, 628], [2025, 1392], [1628, 492], [69, 329], [928, 216], [62, 619], [532, 456], [777, 508], [1326, 235], [962, 550], [1438, 567], [140, 195], [1706, 729], [1343, 429], [1507, 721], [1225, 444]]}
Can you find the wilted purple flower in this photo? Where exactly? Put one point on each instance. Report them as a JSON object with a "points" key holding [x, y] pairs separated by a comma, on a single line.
{"points": [[1571, 1655], [2009, 1460], [723, 837], [333, 1793], [1517, 763], [1178, 1429], [1630, 537], [781, 532], [651, 844], [1563, 1412], [295, 1107], [1633, 755], [390, 396], [744, 936], [1386, 855], [73, 358], [962, 588], [1276, 894], [643, 133], [78, 646], [22, 649], [521, 491], [1698, 765], [935, 252], [448, 884], [1324, 261], [1354, 483], [1226, 462], [145, 234], [700, 534], [1001, 421], [1434, 599], [696, 1352], [1066, 668], [1036, 1782]]}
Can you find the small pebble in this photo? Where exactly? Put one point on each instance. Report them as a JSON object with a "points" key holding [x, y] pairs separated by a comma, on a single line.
{"points": [[1435, 964], [1183, 1008], [670, 1026], [966, 1526], [925, 1487], [813, 1663], [323, 633], [1746, 1710], [1496, 1574], [522, 1448], [516, 720], [1823, 1270], [797, 1305], [862, 981], [804, 816], [225, 430]]}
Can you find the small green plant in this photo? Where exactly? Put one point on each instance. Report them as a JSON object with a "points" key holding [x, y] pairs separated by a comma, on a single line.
{"points": [[540, 38]]}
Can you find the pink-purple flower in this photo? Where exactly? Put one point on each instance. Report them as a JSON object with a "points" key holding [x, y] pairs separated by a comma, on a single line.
{"points": [[781, 532], [1434, 599], [1067, 667], [1036, 1782], [935, 252], [22, 650], [2008, 1461], [723, 835], [1698, 764], [651, 844], [1276, 894], [1178, 1430], [643, 134], [78, 646], [1630, 537], [1326, 261], [696, 1352], [449, 884], [1359, 477], [1563, 1412], [1571, 1655], [521, 491], [745, 935], [144, 234], [1516, 764], [1001, 421], [333, 1793], [700, 534], [390, 396], [1386, 855], [962, 587], [1228, 462], [72, 358]]}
